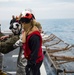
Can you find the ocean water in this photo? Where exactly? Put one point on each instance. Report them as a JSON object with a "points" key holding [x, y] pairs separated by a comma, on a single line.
{"points": [[63, 28]]}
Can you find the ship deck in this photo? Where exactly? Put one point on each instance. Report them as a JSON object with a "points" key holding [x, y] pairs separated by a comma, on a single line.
{"points": [[58, 58]]}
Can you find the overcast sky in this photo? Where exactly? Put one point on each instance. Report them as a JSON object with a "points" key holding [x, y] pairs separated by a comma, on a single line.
{"points": [[42, 9]]}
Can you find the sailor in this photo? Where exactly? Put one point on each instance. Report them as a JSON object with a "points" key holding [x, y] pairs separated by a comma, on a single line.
{"points": [[32, 45], [13, 20], [6, 42], [37, 24]]}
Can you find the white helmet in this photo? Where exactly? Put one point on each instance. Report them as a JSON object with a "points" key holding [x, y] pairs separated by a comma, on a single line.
{"points": [[27, 11], [16, 28]]}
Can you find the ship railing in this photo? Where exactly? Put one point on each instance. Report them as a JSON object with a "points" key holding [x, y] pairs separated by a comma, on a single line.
{"points": [[55, 51]]}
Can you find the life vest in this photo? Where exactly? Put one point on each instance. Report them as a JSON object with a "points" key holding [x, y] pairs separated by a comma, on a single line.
{"points": [[27, 50]]}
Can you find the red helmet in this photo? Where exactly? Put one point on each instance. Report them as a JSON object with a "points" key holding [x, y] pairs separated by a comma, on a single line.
{"points": [[27, 15], [26, 18]]}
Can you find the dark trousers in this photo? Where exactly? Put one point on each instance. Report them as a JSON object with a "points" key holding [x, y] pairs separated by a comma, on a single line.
{"points": [[35, 70]]}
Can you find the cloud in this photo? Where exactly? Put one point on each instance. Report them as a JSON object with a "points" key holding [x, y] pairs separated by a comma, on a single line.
{"points": [[64, 0], [56, 10], [42, 9], [14, 0], [3, 0]]}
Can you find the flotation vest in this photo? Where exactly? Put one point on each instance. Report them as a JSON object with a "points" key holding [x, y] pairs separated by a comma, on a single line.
{"points": [[27, 50]]}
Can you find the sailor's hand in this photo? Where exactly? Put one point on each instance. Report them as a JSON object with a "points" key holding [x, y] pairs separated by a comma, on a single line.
{"points": [[4, 37], [18, 43], [27, 70]]}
